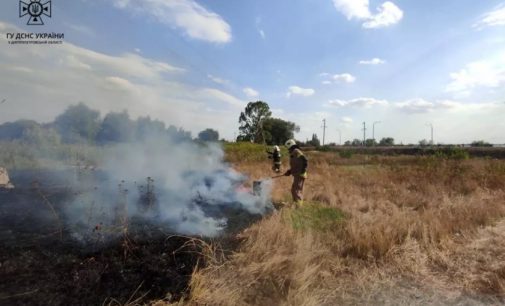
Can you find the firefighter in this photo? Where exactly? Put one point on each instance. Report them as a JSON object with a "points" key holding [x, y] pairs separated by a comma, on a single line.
{"points": [[298, 169], [275, 156]]}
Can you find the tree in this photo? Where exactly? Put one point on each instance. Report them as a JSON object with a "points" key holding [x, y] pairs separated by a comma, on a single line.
{"points": [[387, 142], [78, 123], [178, 134], [424, 143], [314, 141], [251, 120], [208, 135], [357, 143], [116, 127], [242, 138], [16, 130], [481, 143], [277, 131], [146, 128], [370, 142], [41, 136], [348, 143]]}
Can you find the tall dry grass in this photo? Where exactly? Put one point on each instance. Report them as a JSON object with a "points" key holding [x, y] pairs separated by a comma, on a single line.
{"points": [[414, 231]]}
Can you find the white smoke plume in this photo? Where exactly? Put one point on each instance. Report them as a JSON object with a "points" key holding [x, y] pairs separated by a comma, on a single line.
{"points": [[189, 186]]}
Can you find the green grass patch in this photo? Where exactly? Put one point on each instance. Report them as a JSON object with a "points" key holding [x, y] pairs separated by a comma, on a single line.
{"points": [[452, 153], [314, 216], [249, 152], [345, 154]]}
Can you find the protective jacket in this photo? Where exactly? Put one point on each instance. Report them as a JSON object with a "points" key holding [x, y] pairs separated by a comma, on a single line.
{"points": [[276, 156], [298, 163]]}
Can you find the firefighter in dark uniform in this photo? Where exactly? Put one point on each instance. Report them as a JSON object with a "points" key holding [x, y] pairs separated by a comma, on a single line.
{"points": [[275, 156]]}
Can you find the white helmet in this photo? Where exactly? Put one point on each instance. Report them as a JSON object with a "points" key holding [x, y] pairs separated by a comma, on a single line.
{"points": [[290, 143], [276, 148]]}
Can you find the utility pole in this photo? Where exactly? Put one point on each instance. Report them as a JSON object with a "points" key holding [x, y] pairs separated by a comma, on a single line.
{"points": [[373, 131], [324, 130], [339, 136], [364, 133], [431, 126]]}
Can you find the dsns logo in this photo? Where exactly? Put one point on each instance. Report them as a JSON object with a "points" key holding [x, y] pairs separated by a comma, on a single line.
{"points": [[35, 9]]}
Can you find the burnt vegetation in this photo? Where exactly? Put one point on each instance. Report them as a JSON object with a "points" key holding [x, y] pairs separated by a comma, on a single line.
{"points": [[41, 262], [120, 259]]}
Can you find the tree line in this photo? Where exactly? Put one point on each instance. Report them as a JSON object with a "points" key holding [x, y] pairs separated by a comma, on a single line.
{"points": [[81, 124]]}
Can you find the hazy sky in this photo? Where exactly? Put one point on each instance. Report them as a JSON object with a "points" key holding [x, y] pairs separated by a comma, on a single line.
{"points": [[196, 64]]}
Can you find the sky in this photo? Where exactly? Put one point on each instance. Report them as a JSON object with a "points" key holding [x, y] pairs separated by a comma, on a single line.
{"points": [[403, 65]]}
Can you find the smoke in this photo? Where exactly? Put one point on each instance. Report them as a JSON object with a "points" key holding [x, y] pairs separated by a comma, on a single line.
{"points": [[183, 187]]}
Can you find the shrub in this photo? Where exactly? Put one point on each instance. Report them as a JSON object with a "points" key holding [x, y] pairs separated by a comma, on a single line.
{"points": [[345, 154], [481, 143], [452, 153]]}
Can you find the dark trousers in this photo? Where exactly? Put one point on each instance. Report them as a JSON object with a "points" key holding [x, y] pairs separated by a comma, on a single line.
{"points": [[297, 188]]}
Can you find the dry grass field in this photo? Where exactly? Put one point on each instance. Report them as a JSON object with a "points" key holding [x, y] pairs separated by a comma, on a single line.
{"points": [[373, 230]]}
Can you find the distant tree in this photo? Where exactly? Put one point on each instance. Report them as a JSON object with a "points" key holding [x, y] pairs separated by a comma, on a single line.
{"points": [[314, 141], [370, 142], [480, 143], [348, 143], [184, 135], [172, 131], [116, 127], [278, 131], [145, 128], [242, 138], [78, 123], [357, 143], [208, 135], [41, 136], [424, 143], [387, 142], [16, 130], [178, 134], [251, 120]]}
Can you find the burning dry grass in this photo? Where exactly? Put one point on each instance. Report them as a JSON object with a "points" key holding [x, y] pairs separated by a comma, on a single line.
{"points": [[394, 230]]}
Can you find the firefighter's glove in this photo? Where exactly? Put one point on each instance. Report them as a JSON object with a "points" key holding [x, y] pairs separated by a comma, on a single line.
{"points": [[288, 173], [304, 175]]}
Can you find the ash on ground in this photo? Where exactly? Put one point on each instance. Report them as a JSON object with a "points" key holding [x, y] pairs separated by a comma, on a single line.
{"points": [[67, 245]]}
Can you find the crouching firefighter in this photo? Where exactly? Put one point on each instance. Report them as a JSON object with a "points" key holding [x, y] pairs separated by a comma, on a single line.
{"points": [[275, 156], [298, 169]]}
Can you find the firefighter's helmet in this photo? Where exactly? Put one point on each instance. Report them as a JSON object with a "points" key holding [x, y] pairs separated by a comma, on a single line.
{"points": [[290, 143]]}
